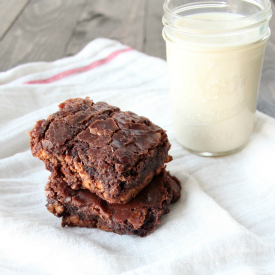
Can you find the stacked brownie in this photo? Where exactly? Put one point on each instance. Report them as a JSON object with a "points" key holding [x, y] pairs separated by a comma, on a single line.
{"points": [[107, 167]]}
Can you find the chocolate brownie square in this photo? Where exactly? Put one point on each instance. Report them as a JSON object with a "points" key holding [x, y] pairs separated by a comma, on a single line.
{"points": [[112, 153], [139, 217]]}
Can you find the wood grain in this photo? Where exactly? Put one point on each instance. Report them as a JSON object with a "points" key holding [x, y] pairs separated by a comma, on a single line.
{"points": [[266, 99], [120, 20], [9, 12], [41, 33], [153, 42]]}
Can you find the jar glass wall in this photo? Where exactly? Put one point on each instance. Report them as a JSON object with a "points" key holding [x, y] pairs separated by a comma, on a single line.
{"points": [[215, 52]]}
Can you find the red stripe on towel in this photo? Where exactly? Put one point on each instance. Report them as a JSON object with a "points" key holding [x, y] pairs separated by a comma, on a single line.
{"points": [[79, 70]]}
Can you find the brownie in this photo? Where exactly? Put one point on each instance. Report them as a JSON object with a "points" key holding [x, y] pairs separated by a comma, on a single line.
{"points": [[139, 217], [96, 146]]}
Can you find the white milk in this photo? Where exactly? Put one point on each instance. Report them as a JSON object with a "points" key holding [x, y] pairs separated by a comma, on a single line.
{"points": [[214, 88]]}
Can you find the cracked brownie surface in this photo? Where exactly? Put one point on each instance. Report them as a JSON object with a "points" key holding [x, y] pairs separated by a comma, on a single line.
{"points": [[139, 217], [96, 146]]}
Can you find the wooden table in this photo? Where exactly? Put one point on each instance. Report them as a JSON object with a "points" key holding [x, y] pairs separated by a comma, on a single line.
{"points": [[45, 30]]}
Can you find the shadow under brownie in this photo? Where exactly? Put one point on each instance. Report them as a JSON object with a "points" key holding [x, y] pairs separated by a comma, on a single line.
{"points": [[139, 217], [97, 147]]}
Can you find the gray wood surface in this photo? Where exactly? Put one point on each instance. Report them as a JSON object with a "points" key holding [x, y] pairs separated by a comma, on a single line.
{"points": [[266, 100], [121, 20], [41, 32], [46, 30], [9, 11], [153, 41]]}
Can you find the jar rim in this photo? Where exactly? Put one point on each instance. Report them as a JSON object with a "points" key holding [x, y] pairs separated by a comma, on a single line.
{"points": [[263, 15]]}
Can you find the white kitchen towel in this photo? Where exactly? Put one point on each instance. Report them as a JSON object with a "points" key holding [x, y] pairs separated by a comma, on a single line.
{"points": [[224, 222]]}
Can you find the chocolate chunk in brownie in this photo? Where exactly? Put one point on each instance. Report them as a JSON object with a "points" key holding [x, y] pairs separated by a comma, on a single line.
{"points": [[112, 153], [139, 217]]}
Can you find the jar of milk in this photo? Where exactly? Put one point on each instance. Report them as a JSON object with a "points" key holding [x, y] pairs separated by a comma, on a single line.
{"points": [[215, 53]]}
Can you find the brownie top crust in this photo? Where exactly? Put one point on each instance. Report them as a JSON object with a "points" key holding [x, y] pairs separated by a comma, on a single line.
{"points": [[162, 190], [96, 131]]}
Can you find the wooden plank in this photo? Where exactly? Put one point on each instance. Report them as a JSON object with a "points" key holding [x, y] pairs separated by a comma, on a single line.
{"points": [[120, 20], [41, 33], [266, 99], [153, 43], [9, 12]]}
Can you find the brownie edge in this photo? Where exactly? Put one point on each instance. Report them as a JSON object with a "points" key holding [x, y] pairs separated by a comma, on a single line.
{"points": [[139, 217]]}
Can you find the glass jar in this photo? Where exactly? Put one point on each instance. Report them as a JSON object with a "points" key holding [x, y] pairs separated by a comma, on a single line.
{"points": [[215, 53]]}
